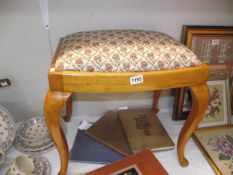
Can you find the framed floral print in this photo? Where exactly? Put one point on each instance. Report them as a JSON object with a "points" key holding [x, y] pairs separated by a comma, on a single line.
{"points": [[216, 143], [214, 46], [218, 112]]}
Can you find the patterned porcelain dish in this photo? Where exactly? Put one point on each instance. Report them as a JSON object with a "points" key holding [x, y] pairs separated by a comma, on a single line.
{"points": [[33, 129], [7, 129], [33, 137], [27, 146], [42, 166]]}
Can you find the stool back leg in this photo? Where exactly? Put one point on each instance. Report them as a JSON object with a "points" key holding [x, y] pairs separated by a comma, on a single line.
{"points": [[200, 100], [69, 108], [156, 100]]}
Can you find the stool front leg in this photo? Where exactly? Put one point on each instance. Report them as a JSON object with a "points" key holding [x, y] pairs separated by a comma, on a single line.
{"points": [[52, 110], [200, 99]]}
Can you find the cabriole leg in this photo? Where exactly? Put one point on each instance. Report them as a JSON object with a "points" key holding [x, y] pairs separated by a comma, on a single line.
{"points": [[52, 110], [200, 99]]}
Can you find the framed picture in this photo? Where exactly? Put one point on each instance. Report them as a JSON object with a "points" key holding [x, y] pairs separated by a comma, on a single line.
{"points": [[131, 170], [214, 46], [218, 112], [216, 143]]}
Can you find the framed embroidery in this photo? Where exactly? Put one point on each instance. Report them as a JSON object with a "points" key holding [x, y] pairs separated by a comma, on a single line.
{"points": [[216, 143], [218, 111]]}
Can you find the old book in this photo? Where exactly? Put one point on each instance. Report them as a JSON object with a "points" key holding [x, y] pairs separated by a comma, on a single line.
{"points": [[109, 131], [86, 149], [143, 163], [144, 130]]}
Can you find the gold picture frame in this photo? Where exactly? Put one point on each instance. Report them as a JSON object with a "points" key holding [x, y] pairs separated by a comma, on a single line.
{"points": [[214, 46], [212, 142]]}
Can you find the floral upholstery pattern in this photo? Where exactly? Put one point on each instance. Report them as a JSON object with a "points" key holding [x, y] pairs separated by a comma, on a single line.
{"points": [[122, 51]]}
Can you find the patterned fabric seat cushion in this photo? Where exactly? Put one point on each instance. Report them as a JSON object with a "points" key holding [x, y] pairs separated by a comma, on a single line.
{"points": [[122, 51]]}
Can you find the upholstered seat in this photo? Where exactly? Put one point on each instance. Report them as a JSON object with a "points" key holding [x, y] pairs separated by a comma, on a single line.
{"points": [[122, 51], [106, 62]]}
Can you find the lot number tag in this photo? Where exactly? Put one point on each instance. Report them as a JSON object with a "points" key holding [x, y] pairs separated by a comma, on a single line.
{"points": [[136, 79]]}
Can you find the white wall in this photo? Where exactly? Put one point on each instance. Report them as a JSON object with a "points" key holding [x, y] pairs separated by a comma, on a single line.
{"points": [[25, 52]]}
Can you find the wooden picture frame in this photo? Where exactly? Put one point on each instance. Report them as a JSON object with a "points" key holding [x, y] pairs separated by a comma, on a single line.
{"points": [[214, 143], [218, 112], [214, 46]]}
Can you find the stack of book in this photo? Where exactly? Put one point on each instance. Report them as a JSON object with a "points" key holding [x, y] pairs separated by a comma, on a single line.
{"points": [[119, 134]]}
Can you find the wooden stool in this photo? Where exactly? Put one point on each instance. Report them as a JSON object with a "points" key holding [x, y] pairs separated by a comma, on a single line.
{"points": [[122, 61]]}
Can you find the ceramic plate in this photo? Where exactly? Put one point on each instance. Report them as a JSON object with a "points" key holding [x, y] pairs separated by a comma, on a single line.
{"points": [[35, 130], [26, 146], [7, 128], [38, 152], [42, 166]]}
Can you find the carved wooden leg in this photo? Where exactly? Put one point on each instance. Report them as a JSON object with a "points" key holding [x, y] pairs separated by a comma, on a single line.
{"points": [[52, 110], [200, 98], [68, 109], [156, 101]]}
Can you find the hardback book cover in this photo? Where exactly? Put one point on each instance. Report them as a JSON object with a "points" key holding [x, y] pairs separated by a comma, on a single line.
{"points": [[144, 130], [143, 163], [88, 150], [108, 130]]}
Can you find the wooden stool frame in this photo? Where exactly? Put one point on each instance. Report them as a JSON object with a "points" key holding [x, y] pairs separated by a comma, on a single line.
{"points": [[63, 83]]}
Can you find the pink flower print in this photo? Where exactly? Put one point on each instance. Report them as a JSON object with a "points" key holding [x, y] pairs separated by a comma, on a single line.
{"points": [[103, 39], [224, 146], [176, 64], [96, 44], [161, 42], [167, 56], [60, 66], [173, 49], [216, 102], [150, 55], [156, 48], [79, 61], [87, 51], [78, 47], [161, 64], [108, 67], [123, 48], [111, 35], [90, 68], [136, 38], [192, 64], [126, 66], [113, 42], [116, 57], [69, 54], [146, 42], [72, 40], [98, 58], [133, 56], [140, 48], [70, 46], [144, 65], [130, 42], [105, 49], [142, 35], [120, 37], [183, 56]]}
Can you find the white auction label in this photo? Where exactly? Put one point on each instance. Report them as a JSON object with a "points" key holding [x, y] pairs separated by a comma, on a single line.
{"points": [[215, 42], [136, 79]]}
